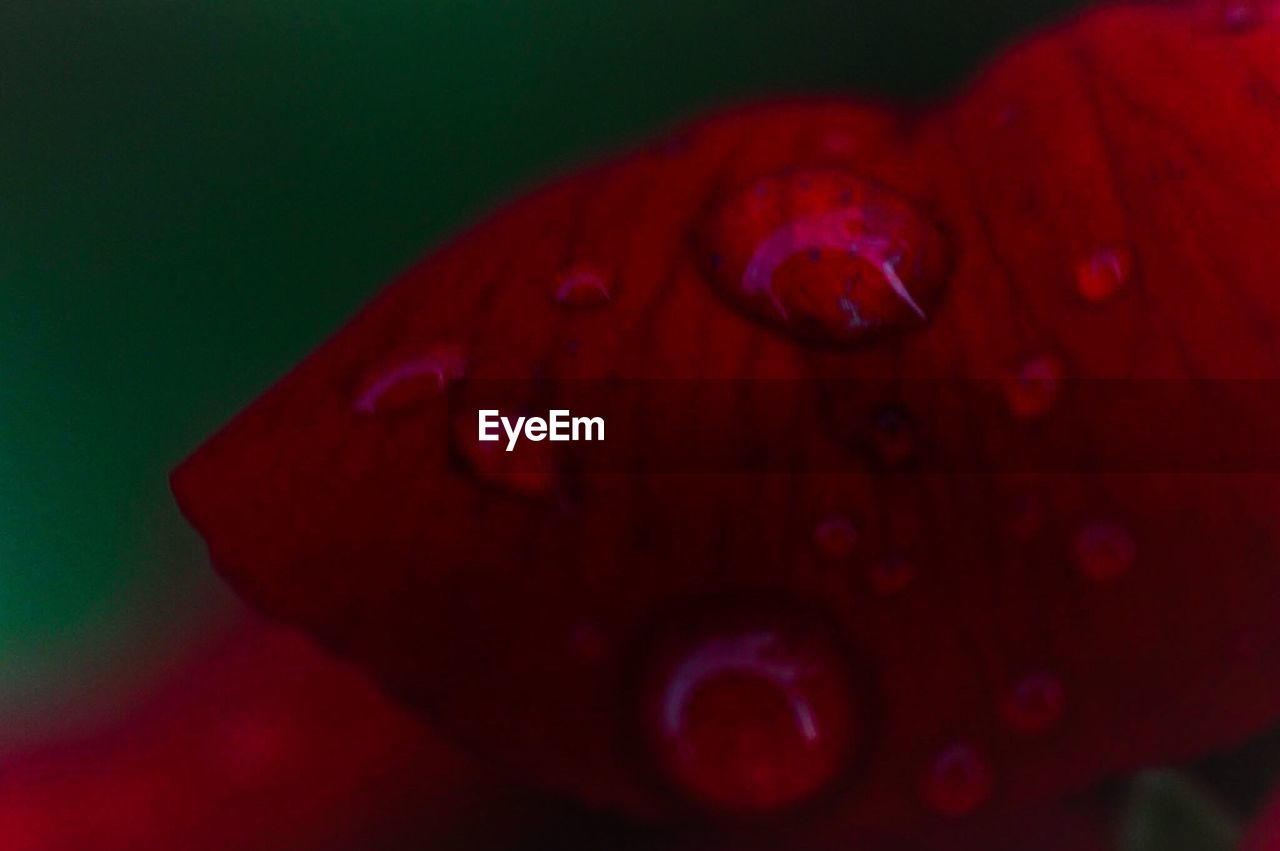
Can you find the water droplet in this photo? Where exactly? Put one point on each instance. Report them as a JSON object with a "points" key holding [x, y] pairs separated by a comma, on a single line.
{"points": [[893, 435], [1033, 388], [410, 379], [1104, 551], [1102, 274], [890, 575], [583, 285], [750, 712], [958, 781], [880, 263], [1034, 703], [836, 537]]}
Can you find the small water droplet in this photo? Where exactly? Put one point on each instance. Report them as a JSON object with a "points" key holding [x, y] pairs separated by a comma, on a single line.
{"points": [[1033, 389], [750, 712], [893, 435], [583, 285], [875, 262], [836, 537], [958, 781], [409, 380], [890, 575], [1104, 273], [1034, 703], [1104, 551]]}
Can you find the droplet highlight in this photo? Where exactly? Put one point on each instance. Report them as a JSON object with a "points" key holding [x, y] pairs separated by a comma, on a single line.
{"points": [[1103, 274], [1032, 390], [958, 781], [1105, 551], [409, 380], [825, 255], [1034, 704], [890, 575], [836, 537], [583, 285], [750, 713]]}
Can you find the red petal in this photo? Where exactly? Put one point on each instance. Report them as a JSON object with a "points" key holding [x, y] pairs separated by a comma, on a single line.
{"points": [[1140, 135], [259, 742]]}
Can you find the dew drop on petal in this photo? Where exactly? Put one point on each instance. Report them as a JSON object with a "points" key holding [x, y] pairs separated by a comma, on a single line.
{"points": [[890, 575], [1033, 388], [749, 713], [1104, 273], [1033, 704], [407, 380], [836, 537], [583, 285], [1105, 551], [958, 781], [825, 255]]}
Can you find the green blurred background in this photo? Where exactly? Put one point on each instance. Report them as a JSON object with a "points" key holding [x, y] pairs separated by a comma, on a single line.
{"points": [[193, 194]]}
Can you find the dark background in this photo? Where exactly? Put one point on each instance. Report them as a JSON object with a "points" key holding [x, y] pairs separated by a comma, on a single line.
{"points": [[193, 194]]}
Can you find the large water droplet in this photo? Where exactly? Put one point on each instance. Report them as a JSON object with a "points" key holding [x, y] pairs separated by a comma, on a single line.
{"points": [[1034, 703], [826, 255], [1032, 390], [750, 712], [890, 575], [1104, 551], [836, 537], [1104, 273], [583, 285], [409, 379], [958, 781]]}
